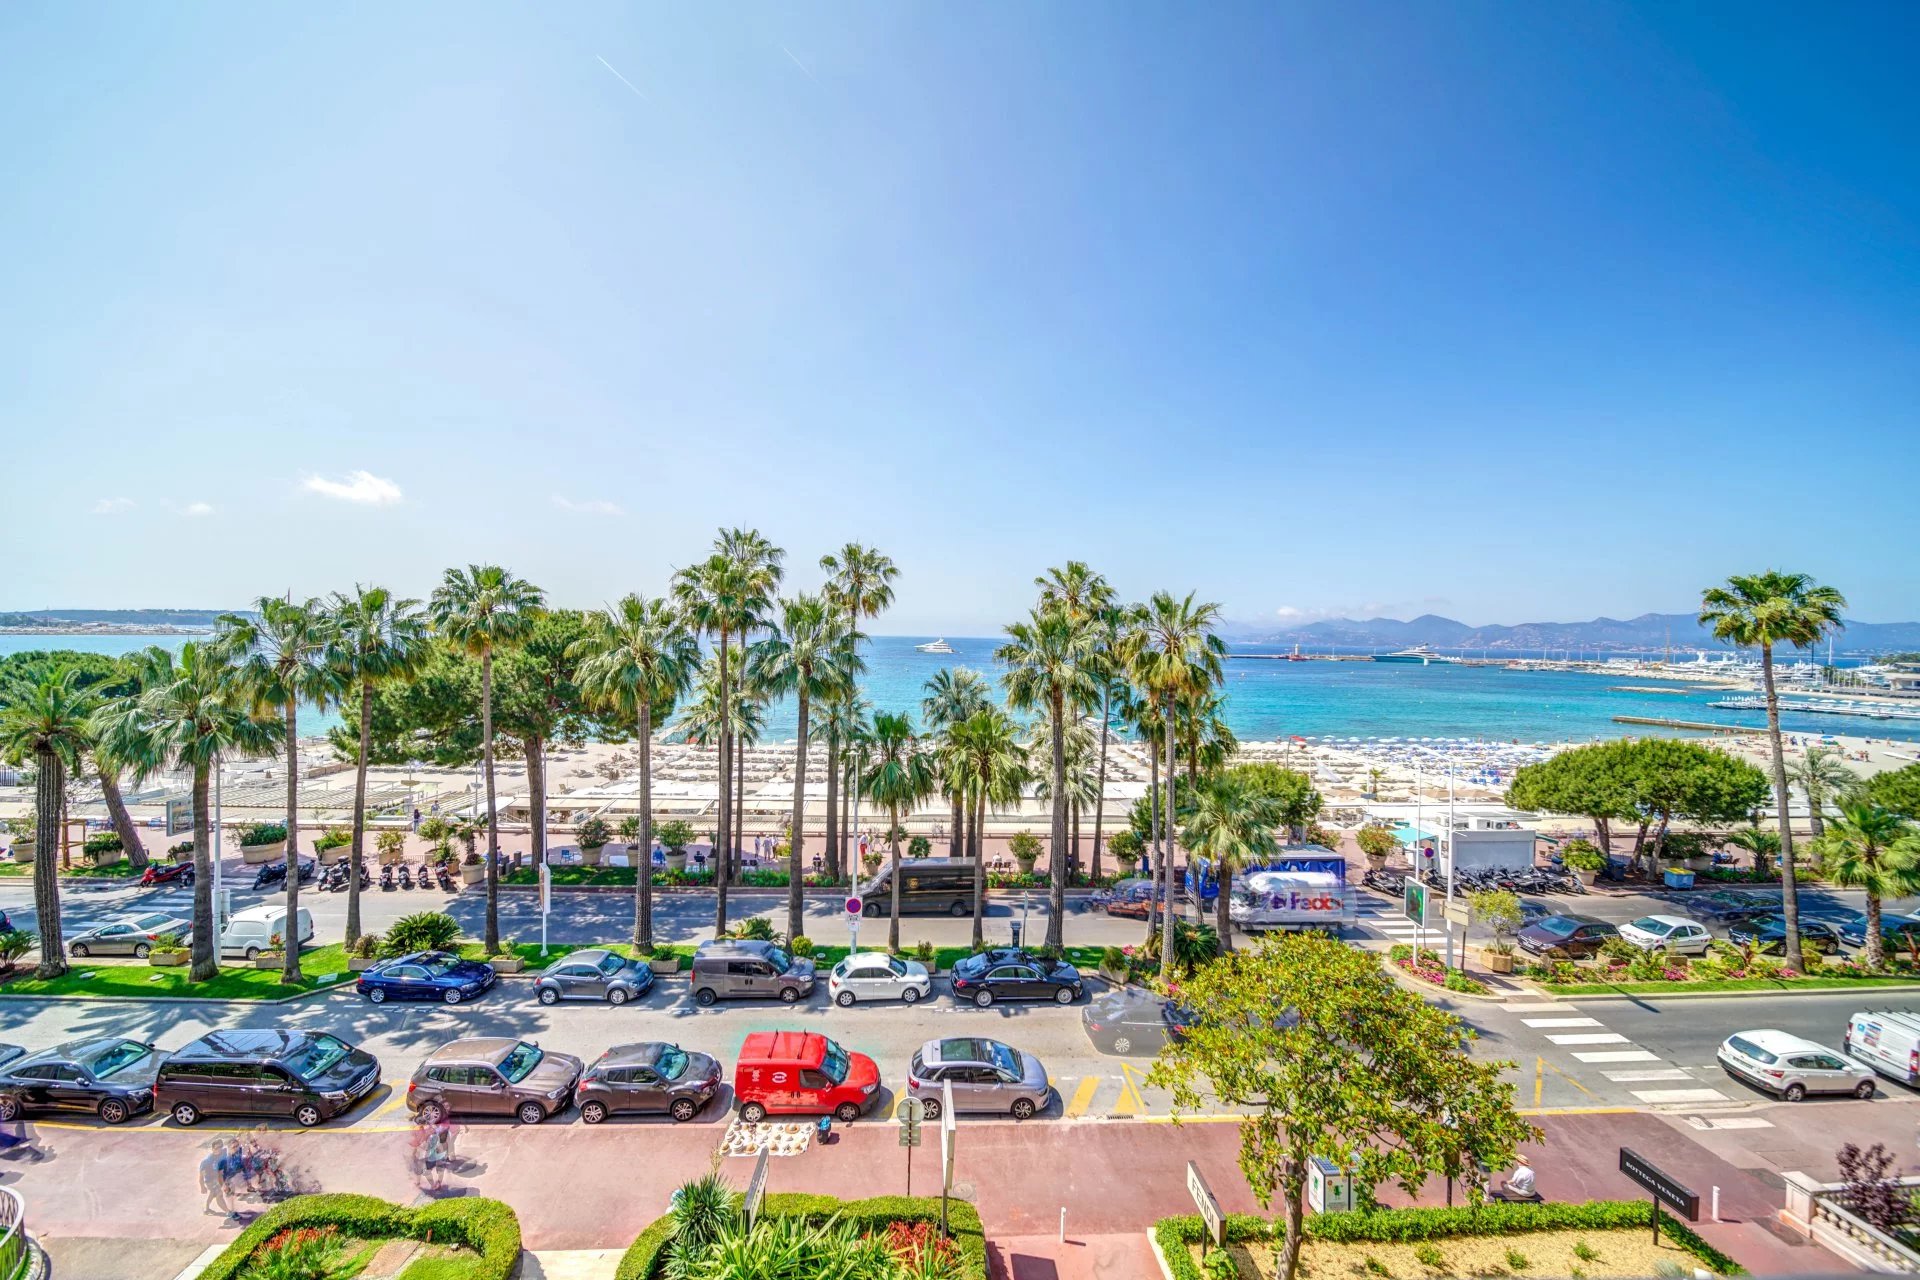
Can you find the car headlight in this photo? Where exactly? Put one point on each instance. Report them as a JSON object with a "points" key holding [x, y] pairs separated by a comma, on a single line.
{"points": [[561, 1092], [334, 1095]]}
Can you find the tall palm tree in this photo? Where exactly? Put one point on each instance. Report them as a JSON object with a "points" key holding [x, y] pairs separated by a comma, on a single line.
{"points": [[1081, 788], [860, 584], [108, 769], [379, 638], [704, 720], [1170, 652], [52, 723], [798, 659], [484, 609], [286, 657], [1050, 665], [1874, 849], [852, 720], [1231, 825], [899, 777], [984, 754], [1088, 596], [1763, 846], [953, 695], [835, 720], [1759, 611], [193, 710], [1822, 774], [636, 659]]}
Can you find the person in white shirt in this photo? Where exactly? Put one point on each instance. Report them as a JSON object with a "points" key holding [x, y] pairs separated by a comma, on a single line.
{"points": [[1520, 1181]]}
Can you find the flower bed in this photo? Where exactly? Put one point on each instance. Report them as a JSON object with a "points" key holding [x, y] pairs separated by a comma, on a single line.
{"points": [[1427, 967], [1723, 971], [904, 1222], [487, 1227]]}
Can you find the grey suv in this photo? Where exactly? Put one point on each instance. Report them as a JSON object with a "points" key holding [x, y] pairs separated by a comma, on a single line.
{"points": [[985, 1074], [732, 968], [489, 1077]]}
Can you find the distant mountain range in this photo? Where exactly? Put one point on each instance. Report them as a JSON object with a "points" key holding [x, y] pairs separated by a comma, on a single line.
{"points": [[133, 621], [1648, 632]]}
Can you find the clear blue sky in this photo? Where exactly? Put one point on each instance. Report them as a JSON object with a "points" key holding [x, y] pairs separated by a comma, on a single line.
{"points": [[1505, 311]]}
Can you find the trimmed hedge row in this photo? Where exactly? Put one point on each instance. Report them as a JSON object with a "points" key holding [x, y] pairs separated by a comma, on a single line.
{"points": [[1404, 1226], [488, 1227], [643, 1256]]}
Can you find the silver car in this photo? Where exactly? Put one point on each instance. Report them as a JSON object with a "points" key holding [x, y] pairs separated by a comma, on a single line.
{"points": [[985, 1075], [129, 935], [594, 975], [1791, 1067]]}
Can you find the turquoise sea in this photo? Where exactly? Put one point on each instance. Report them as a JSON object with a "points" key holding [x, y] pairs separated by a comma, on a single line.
{"points": [[1267, 700]]}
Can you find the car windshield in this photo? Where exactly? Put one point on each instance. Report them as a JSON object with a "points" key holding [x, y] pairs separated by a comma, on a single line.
{"points": [[1005, 1058], [522, 1059], [834, 1065], [117, 1058], [779, 960], [612, 964], [1658, 928], [1767, 922], [1752, 1050], [1558, 926], [439, 967], [971, 964], [672, 1064], [317, 1057]]}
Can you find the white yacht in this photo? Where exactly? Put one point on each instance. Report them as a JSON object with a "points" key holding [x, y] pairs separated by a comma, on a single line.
{"points": [[935, 646]]}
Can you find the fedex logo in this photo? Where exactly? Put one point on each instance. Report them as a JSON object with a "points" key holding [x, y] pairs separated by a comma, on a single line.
{"points": [[1295, 901]]}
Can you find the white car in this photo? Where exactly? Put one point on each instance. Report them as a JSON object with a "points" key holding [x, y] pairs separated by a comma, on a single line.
{"points": [[875, 975], [1657, 933], [1792, 1067]]}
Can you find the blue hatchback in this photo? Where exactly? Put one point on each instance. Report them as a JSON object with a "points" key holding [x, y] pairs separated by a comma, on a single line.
{"points": [[425, 975]]}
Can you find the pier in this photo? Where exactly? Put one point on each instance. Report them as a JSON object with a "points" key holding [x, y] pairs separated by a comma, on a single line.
{"points": [[1695, 725]]}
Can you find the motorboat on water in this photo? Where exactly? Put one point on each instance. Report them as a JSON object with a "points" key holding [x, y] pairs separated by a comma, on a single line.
{"points": [[935, 646], [1420, 653]]}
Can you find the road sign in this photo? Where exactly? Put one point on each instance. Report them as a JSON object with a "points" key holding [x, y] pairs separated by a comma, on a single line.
{"points": [[1460, 912], [946, 1149], [179, 815], [1203, 1201], [756, 1187], [1415, 903], [908, 1113], [854, 906], [1659, 1184]]}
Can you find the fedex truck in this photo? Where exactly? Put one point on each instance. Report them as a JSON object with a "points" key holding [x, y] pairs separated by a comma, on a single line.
{"points": [[1290, 900]]}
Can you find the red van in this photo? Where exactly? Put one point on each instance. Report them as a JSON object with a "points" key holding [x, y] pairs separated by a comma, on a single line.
{"points": [[802, 1073]]}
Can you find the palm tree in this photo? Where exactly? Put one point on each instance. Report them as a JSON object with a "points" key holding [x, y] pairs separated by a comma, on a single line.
{"points": [[1171, 651], [636, 659], [484, 609], [285, 655], [1087, 595], [108, 769], [379, 639], [859, 583], [1762, 610], [1764, 846], [899, 778], [51, 723], [1822, 775], [704, 720], [836, 720], [798, 659], [1081, 788], [1050, 661], [1231, 825], [953, 695], [983, 753], [193, 710], [1877, 850]]}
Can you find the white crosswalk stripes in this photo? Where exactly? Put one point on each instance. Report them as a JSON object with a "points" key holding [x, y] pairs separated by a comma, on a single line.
{"points": [[1561, 1022], [1590, 1037], [1667, 1084], [1617, 1055]]}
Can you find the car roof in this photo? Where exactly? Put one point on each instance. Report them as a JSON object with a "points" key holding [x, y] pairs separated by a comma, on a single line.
{"points": [[243, 1043], [474, 1049], [587, 955], [643, 1053], [731, 946], [1672, 922], [1780, 1042], [784, 1046], [74, 1050], [1574, 916], [959, 1049], [421, 957], [876, 959]]}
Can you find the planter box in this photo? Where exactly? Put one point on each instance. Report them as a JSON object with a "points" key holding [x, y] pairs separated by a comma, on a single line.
{"points": [[1587, 877], [1118, 977], [677, 862], [669, 965], [1026, 865], [329, 856], [591, 857], [269, 960], [472, 875], [507, 964], [1496, 962], [107, 859], [360, 964], [168, 959], [254, 854]]}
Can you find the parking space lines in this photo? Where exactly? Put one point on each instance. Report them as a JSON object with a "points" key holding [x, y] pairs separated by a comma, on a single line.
{"points": [[1082, 1096]]}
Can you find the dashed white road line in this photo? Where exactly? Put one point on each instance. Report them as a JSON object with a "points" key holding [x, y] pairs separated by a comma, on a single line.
{"points": [[1590, 1037], [1617, 1055], [1679, 1095], [1646, 1077], [1561, 1022]]}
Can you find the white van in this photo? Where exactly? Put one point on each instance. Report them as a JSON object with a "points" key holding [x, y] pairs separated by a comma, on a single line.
{"points": [[1289, 900], [1887, 1042], [259, 929]]}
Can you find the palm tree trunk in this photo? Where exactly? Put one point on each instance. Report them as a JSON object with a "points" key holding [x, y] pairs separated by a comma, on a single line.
{"points": [[796, 839], [1222, 922], [1876, 945], [49, 786], [1789, 893], [493, 824], [979, 868], [1166, 863], [290, 965], [1074, 855], [893, 842], [643, 878], [1057, 801], [739, 806], [847, 836], [723, 837], [1100, 800], [205, 962], [1816, 821], [1153, 826], [122, 820], [833, 806], [357, 848], [956, 840], [536, 753]]}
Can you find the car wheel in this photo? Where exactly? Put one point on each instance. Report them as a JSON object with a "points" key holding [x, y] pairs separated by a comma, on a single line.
{"points": [[530, 1113], [140, 951], [9, 1109], [79, 949], [1023, 1109], [187, 879], [253, 953], [846, 1113], [1794, 1092], [1864, 1089], [871, 910], [452, 996], [306, 1115], [704, 997], [1063, 996], [958, 911], [789, 995], [983, 998], [753, 1113], [549, 996], [844, 999], [683, 1110], [433, 1112], [617, 996], [910, 996], [185, 1113], [378, 995], [113, 1110], [930, 1108], [593, 1112], [1123, 1044]]}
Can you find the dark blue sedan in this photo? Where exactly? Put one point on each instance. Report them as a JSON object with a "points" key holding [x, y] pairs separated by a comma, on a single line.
{"points": [[426, 975], [1897, 931]]}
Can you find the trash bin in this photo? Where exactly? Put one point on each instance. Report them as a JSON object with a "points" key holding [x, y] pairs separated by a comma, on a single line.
{"points": [[1014, 925]]}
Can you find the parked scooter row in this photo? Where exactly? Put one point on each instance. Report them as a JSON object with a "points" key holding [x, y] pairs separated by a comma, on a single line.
{"points": [[275, 873]]}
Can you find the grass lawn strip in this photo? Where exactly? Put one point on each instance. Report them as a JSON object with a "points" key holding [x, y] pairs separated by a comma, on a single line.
{"points": [[1711, 985], [323, 967], [112, 871]]}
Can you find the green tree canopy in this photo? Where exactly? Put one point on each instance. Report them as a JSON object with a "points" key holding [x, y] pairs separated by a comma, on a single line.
{"points": [[1290, 791], [1898, 790], [1652, 781]]}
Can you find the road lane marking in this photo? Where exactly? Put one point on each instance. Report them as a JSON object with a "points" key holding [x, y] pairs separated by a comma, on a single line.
{"points": [[1729, 1122], [1561, 1022], [1659, 1096], [1545, 1006], [1590, 1037], [1083, 1095], [1131, 1102], [1617, 1055], [1540, 1068], [1646, 1077]]}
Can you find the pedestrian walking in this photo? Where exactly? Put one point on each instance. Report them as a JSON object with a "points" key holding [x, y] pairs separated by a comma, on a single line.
{"points": [[417, 1152], [448, 1133], [416, 817], [213, 1179], [436, 1159]]}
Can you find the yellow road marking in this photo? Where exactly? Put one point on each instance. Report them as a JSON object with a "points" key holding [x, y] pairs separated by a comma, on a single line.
{"points": [[1083, 1095], [1131, 1102]]}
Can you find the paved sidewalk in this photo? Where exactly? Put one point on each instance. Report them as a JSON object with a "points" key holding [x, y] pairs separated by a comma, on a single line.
{"points": [[1122, 1257]]}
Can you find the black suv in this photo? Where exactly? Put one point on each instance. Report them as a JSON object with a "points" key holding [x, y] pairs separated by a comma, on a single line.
{"points": [[306, 1076], [111, 1077]]}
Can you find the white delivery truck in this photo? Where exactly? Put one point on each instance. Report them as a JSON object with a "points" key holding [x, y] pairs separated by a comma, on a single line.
{"points": [[1888, 1042], [260, 929], [1290, 900]]}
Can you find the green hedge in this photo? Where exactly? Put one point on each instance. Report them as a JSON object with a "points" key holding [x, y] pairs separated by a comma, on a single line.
{"points": [[488, 1227], [1405, 1226], [643, 1256]]}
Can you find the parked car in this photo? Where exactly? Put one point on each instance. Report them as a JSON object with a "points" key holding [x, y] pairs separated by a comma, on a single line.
{"points": [[1897, 932], [263, 928], [1768, 935], [1792, 1067], [168, 873], [1133, 897], [486, 1076], [9, 1053], [305, 1075], [1661, 933], [594, 974], [1888, 1042], [987, 976], [985, 1075], [730, 968], [110, 1076], [426, 975], [1728, 907], [1133, 1020], [802, 1073], [129, 935], [646, 1079], [875, 975], [1565, 937]]}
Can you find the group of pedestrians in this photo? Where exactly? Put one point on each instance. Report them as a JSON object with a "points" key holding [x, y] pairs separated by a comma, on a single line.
{"points": [[431, 1152], [234, 1169]]}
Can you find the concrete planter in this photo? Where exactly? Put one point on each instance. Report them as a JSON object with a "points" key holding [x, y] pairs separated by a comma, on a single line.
{"points": [[507, 964], [1497, 962], [670, 964], [254, 854], [168, 959], [1118, 977], [1587, 877], [1025, 865], [1376, 862], [590, 854], [677, 861], [329, 856], [270, 960], [1127, 866], [472, 875]]}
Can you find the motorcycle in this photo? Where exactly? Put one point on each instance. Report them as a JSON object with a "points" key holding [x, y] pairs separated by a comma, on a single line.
{"points": [[270, 874], [334, 878], [446, 881], [386, 877], [406, 877]]}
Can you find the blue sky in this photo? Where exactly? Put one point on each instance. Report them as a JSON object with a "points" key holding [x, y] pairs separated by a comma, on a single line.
{"points": [[1503, 311]]}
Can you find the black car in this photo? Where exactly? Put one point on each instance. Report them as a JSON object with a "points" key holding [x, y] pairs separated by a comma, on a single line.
{"points": [[303, 1075], [1768, 935], [1730, 908], [10, 1053], [1008, 973], [426, 975], [1898, 932], [646, 1079], [1135, 1021], [109, 1076]]}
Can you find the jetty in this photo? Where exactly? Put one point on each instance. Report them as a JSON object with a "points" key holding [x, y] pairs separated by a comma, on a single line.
{"points": [[1647, 688], [1695, 725]]}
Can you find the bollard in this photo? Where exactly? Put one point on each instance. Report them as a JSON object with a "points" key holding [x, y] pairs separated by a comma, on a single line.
{"points": [[1063, 1224], [1716, 1204]]}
